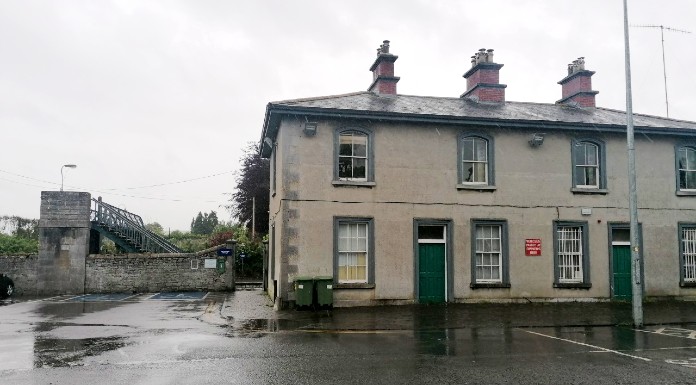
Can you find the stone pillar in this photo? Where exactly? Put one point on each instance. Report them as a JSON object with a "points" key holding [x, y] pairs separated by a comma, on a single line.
{"points": [[64, 233]]}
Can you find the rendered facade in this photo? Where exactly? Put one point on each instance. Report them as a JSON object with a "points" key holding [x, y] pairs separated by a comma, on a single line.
{"points": [[414, 199]]}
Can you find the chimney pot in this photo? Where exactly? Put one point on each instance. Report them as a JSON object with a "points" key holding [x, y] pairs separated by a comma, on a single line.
{"points": [[384, 81], [483, 83], [577, 86]]}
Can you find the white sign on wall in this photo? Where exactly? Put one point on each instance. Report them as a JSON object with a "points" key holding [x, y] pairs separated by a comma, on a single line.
{"points": [[210, 263]]}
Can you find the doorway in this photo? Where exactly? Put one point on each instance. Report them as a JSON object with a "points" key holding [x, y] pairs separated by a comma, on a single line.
{"points": [[620, 260], [432, 262]]}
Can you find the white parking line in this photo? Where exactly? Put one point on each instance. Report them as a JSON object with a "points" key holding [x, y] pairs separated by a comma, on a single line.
{"points": [[588, 345]]}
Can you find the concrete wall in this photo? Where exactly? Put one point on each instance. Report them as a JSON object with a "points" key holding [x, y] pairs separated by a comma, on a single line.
{"points": [[22, 269], [155, 272], [64, 229], [416, 177]]}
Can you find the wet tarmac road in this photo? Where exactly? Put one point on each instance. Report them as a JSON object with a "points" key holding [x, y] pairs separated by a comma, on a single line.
{"points": [[236, 338]]}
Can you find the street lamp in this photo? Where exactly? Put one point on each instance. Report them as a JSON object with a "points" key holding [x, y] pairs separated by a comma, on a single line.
{"points": [[61, 173]]}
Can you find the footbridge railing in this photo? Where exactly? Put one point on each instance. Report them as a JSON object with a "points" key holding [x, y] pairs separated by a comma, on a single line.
{"points": [[127, 230]]}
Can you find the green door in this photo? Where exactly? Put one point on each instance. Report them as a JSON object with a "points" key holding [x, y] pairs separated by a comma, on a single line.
{"points": [[622, 272], [431, 272]]}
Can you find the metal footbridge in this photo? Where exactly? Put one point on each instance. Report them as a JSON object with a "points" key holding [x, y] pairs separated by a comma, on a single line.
{"points": [[127, 230]]}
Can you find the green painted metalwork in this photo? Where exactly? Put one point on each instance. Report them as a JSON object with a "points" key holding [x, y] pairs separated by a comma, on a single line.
{"points": [[127, 230]]}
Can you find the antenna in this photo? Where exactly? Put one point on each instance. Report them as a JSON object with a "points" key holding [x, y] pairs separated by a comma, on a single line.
{"points": [[664, 67]]}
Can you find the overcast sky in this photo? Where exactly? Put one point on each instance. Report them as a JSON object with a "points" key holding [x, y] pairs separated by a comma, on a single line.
{"points": [[140, 93]]}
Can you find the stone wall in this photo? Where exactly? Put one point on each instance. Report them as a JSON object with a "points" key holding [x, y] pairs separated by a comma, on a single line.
{"points": [[22, 269], [155, 272], [142, 273], [64, 230]]}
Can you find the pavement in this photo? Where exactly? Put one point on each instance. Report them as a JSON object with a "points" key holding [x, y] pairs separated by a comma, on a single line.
{"points": [[255, 306]]}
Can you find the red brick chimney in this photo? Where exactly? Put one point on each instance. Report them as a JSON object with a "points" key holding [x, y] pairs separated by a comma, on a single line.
{"points": [[577, 86], [483, 79], [384, 81]]}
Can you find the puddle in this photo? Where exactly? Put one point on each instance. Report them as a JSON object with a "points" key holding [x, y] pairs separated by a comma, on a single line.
{"points": [[254, 328], [55, 352]]}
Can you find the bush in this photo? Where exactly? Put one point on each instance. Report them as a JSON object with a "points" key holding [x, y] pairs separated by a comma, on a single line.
{"points": [[13, 245]]}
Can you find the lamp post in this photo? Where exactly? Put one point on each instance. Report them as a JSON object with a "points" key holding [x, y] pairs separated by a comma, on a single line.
{"points": [[637, 288], [61, 173]]}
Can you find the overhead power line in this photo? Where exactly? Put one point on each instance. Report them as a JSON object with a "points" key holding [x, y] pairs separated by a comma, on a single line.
{"points": [[112, 191]]}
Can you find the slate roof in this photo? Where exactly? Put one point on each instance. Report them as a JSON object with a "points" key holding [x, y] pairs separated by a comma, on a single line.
{"points": [[465, 111]]}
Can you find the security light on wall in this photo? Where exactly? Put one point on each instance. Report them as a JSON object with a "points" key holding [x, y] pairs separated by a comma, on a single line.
{"points": [[268, 142], [536, 140], [310, 128]]}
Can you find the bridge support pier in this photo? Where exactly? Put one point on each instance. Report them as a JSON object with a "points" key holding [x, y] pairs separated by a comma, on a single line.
{"points": [[64, 242]]}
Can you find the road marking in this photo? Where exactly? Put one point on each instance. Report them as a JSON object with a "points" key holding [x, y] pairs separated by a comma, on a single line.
{"points": [[672, 332], [688, 363], [588, 345]]}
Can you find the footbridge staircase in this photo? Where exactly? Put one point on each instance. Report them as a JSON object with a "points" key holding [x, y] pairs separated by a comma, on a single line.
{"points": [[127, 230]]}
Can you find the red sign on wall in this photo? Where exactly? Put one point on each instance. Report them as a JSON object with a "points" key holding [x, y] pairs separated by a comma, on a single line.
{"points": [[532, 247]]}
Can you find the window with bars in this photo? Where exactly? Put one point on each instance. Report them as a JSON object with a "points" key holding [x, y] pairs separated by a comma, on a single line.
{"points": [[688, 254], [489, 251], [686, 168], [353, 260], [571, 254], [588, 166]]}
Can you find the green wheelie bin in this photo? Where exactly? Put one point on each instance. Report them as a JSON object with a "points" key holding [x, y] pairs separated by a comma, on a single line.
{"points": [[304, 289], [324, 286]]}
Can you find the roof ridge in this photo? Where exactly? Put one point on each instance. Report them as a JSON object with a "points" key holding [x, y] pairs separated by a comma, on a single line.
{"points": [[647, 115], [300, 100]]}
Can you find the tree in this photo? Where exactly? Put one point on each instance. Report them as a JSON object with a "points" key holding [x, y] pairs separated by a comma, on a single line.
{"points": [[20, 227], [253, 182], [155, 227], [21, 235], [204, 223]]}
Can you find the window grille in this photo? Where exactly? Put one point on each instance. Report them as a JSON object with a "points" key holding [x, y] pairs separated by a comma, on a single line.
{"points": [[689, 254], [570, 254]]}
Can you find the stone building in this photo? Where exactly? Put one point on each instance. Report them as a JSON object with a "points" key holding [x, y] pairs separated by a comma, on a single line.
{"points": [[413, 199]]}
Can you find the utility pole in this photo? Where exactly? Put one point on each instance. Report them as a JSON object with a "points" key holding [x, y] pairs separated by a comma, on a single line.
{"points": [[664, 67], [637, 289]]}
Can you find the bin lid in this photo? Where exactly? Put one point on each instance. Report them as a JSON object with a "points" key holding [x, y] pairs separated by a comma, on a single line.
{"points": [[304, 278], [323, 278]]}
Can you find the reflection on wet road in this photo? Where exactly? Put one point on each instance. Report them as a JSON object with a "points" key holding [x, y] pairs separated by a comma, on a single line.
{"points": [[139, 340]]}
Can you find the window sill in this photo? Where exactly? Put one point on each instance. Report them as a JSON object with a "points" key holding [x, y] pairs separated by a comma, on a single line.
{"points": [[353, 286], [681, 193], [589, 191], [490, 285], [477, 187], [348, 183], [687, 284], [572, 285]]}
